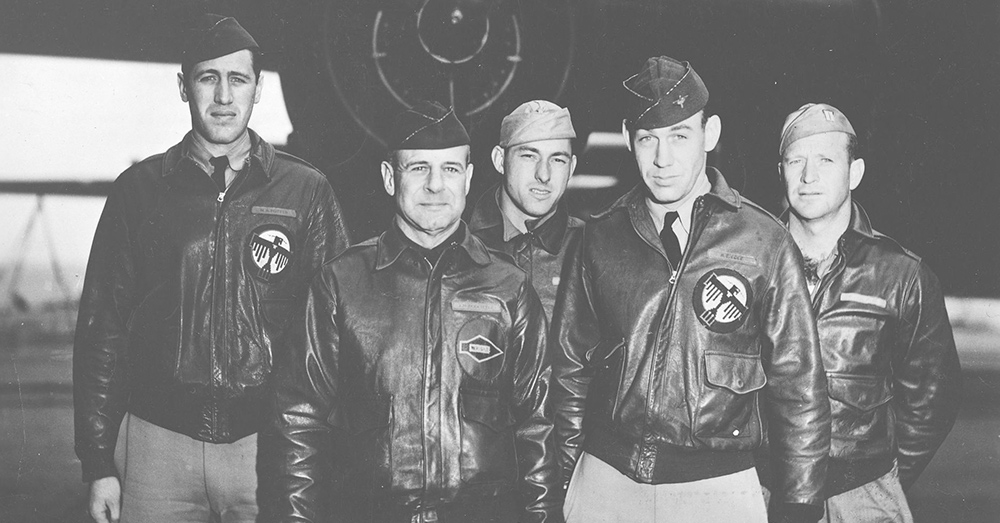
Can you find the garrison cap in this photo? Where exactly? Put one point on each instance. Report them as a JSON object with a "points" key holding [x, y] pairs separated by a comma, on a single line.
{"points": [[813, 119], [427, 125], [212, 36], [663, 93], [536, 120]]}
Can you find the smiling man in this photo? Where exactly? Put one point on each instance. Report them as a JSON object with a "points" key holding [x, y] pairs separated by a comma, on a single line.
{"points": [[197, 258], [417, 386], [685, 337], [523, 215], [887, 344]]}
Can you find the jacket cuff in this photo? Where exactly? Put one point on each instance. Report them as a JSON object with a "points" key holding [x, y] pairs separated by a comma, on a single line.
{"points": [[797, 513], [100, 465]]}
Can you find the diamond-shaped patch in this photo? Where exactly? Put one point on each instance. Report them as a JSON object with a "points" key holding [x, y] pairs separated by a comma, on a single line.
{"points": [[479, 348]]}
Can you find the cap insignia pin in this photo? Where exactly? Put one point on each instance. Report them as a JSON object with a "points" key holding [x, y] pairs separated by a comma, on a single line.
{"points": [[680, 100]]}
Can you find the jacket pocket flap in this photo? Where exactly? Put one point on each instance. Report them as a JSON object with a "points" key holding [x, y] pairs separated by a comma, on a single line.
{"points": [[486, 408], [740, 373], [861, 392], [603, 352], [359, 414]]}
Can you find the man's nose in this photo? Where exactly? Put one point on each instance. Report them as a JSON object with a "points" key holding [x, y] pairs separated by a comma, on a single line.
{"points": [[223, 93], [664, 156], [543, 173], [435, 181]]}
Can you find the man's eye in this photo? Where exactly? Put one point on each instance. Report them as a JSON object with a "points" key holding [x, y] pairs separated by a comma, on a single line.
{"points": [[238, 80], [642, 139], [679, 137], [560, 160], [793, 161], [451, 170], [206, 79]]}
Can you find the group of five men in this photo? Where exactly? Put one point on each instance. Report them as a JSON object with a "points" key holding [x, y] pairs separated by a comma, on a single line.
{"points": [[682, 356]]}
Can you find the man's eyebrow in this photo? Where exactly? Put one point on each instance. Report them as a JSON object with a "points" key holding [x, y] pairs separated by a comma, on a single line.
{"points": [[680, 127], [410, 164]]}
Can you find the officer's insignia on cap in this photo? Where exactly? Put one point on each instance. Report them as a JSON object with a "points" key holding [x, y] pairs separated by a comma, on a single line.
{"points": [[479, 348], [722, 300], [269, 251], [680, 100]]}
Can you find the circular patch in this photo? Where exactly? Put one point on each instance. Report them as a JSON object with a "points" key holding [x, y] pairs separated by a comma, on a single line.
{"points": [[722, 300], [269, 251]]}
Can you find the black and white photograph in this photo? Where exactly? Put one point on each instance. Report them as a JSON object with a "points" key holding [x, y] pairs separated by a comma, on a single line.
{"points": [[498, 261]]}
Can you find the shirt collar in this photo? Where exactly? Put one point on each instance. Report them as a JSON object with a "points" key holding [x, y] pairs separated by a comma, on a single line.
{"points": [[195, 147], [392, 243], [487, 216], [684, 211], [260, 151]]}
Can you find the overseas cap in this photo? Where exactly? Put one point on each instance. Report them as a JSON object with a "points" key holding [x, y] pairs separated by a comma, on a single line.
{"points": [[664, 93], [212, 36], [427, 125], [813, 119], [533, 121]]}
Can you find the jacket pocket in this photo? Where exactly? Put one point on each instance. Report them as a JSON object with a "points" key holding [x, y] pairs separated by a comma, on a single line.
{"points": [[487, 437], [275, 311], [859, 406], [728, 417], [363, 426], [606, 363]]}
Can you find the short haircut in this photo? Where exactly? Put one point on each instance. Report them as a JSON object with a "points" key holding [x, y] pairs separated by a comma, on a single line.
{"points": [[853, 148]]}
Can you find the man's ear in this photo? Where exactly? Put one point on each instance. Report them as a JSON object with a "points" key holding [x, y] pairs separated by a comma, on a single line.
{"points": [[181, 87], [857, 172], [260, 83], [627, 136], [388, 179], [468, 178], [497, 157], [713, 131], [572, 165]]}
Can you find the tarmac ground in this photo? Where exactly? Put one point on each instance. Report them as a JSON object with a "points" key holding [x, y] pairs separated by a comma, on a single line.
{"points": [[40, 475]]}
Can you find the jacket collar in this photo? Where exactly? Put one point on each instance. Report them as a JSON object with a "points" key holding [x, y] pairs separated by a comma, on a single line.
{"points": [[634, 200], [392, 243], [860, 223], [261, 152], [488, 216]]}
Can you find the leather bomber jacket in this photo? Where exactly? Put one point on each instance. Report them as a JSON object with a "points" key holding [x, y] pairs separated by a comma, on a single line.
{"points": [[546, 246], [890, 358], [707, 358], [187, 290], [413, 392]]}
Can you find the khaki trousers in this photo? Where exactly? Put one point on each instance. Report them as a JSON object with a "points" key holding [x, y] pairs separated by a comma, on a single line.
{"points": [[169, 477], [598, 493]]}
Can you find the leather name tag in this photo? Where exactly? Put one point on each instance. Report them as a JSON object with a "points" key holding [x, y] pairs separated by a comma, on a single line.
{"points": [[274, 211], [460, 305], [863, 298], [732, 256]]}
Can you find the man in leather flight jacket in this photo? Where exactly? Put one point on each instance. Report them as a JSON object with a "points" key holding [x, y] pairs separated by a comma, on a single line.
{"points": [[417, 384], [189, 283], [678, 351], [523, 215], [888, 350]]}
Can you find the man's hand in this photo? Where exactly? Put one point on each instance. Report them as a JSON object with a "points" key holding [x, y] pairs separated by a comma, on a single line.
{"points": [[105, 500]]}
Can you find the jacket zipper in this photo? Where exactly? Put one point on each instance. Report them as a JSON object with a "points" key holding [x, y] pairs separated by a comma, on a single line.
{"points": [[699, 204], [218, 274]]}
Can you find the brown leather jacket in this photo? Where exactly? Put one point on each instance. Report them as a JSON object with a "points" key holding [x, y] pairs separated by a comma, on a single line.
{"points": [[414, 391], [657, 367], [890, 358], [186, 292]]}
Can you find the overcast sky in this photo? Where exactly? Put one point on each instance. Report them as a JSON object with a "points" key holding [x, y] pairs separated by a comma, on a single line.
{"points": [[84, 119]]}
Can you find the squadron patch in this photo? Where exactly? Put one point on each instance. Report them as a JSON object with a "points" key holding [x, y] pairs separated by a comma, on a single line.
{"points": [[268, 252], [479, 348], [722, 300]]}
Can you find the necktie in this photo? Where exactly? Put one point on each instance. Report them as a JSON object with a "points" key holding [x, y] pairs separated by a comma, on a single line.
{"points": [[669, 240], [219, 173]]}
